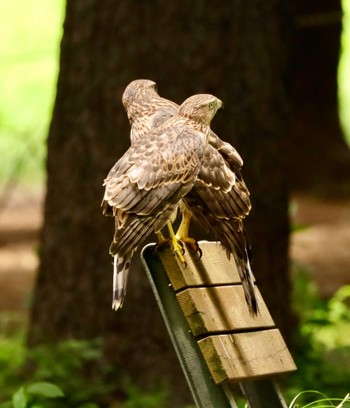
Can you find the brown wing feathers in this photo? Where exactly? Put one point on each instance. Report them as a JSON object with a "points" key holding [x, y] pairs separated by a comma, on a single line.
{"points": [[154, 175]]}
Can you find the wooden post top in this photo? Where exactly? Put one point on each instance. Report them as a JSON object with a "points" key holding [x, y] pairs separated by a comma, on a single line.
{"points": [[234, 344]]}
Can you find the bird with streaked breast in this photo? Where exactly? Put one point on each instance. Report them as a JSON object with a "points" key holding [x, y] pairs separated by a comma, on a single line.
{"points": [[144, 188], [219, 199]]}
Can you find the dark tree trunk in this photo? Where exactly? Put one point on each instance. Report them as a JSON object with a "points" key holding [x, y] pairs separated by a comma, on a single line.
{"points": [[231, 49], [319, 155]]}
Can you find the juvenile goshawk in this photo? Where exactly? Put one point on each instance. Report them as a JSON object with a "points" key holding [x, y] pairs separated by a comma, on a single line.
{"points": [[219, 199], [145, 187]]}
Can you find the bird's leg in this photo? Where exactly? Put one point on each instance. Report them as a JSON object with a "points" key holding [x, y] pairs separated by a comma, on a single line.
{"points": [[182, 233], [162, 241], [161, 237], [175, 243], [184, 227]]}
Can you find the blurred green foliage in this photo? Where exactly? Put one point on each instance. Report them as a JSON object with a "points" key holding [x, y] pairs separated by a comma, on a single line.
{"points": [[88, 380], [36, 395], [29, 48], [323, 343], [343, 72], [69, 374]]}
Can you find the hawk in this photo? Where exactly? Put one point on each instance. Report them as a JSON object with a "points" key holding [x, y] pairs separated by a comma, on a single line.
{"points": [[144, 188], [219, 198]]}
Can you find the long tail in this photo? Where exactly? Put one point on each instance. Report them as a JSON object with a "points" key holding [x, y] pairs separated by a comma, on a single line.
{"points": [[121, 267], [235, 242], [246, 275], [233, 239]]}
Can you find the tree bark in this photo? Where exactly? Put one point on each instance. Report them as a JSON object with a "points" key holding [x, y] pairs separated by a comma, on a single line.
{"points": [[319, 155], [231, 49]]}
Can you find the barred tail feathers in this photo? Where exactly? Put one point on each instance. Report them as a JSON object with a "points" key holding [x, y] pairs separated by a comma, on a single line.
{"points": [[121, 267], [235, 242], [246, 275]]}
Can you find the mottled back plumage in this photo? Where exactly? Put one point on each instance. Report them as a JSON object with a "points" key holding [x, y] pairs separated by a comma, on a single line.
{"points": [[146, 185], [219, 198], [145, 109]]}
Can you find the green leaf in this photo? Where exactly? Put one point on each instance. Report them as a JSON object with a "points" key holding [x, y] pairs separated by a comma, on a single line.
{"points": [[89, 405], [45, 389], [19, 399]]}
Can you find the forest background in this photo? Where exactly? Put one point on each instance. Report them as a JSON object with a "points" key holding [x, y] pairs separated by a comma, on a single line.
{"points": [[318, 207]]}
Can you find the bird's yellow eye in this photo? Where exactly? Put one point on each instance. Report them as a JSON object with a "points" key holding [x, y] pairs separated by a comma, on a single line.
{"points": [[211, 105]]}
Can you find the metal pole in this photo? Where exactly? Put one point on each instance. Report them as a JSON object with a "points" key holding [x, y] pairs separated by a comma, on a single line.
{"points": [[206, 393]]}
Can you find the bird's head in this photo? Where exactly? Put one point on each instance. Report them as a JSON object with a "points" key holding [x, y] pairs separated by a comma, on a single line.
{"points": [[137, 90], [201, 108]]}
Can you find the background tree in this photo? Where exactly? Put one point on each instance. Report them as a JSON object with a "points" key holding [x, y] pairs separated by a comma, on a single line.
{"points": [[236, 50], [316, 143]]}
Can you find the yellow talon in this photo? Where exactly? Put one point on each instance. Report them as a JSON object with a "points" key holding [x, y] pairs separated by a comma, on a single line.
{"points": [[181, 237], [191, 243], [161, 238], [176, 244], [183, 230]]}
